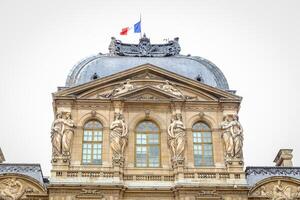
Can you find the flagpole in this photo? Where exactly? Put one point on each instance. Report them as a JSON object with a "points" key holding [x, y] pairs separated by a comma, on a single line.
{"points": [[141, 25]]}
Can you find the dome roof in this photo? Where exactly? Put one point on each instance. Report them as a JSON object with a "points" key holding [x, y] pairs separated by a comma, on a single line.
{"points": [[123, 56]]}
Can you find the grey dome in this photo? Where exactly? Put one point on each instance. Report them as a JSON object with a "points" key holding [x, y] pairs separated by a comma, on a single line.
{"points": [[188, 66]]}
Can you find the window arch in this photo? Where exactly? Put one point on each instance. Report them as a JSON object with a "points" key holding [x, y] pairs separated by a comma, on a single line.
{"points": [[202, 140], [147, 149], [92, 142]]}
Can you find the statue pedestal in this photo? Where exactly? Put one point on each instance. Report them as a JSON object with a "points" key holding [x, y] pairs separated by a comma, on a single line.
{"points": [[118, 164], [235, 164], [178, 165], [60, 162]]}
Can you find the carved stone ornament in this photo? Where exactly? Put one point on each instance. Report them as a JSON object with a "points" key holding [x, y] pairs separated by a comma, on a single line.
{"points": [[208, 194], [11, 189], [232, 137], [278, 191], [176, 139], [91, 194], [144, 48], [62, 132], [121, 89], [170, 88], [118, 138]]}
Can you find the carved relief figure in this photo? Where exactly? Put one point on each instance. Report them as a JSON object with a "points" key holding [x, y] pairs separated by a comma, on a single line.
{"points": [[56, 135], [67, 135], [232, 136], [176, 132], [118, 137], [168, 87], [11, 189], [62, 135], [280, 192], [125, 87]]}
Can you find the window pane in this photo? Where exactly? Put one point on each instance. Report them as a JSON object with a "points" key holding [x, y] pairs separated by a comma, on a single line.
{"points": [[203, 151], [141, 156], [147, 126], [201, 126], [98, 136], [153, 139], [88, 135], [93, 125], [141, 139]]}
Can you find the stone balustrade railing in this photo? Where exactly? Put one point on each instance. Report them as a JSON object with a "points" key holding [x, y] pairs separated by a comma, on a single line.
{"points": [[145, 177]]}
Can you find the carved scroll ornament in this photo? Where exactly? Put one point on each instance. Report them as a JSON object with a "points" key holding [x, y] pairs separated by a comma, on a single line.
{"points": [[144, 48]]}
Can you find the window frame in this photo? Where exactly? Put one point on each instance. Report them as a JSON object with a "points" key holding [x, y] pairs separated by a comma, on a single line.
{"points": [[92, 142], [147, 145], [202, 143]]}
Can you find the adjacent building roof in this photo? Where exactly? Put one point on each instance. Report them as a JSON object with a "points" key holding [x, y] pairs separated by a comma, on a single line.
{"points": [[32, 170], [125, 56], [256, 174]]}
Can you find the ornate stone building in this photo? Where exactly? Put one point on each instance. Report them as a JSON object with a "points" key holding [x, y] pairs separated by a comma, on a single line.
{"points": [[144, 122]]}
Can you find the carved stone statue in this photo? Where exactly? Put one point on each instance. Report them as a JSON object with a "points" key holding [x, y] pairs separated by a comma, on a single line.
{"points": [[56, 135], [144, 48], [62, 135], [176, 138], [118, 137], [125, 87], [232, 136], [170, 88], [68, 133], [11, 189]]}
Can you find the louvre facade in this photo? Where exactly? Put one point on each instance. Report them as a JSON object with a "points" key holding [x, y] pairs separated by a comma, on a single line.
{"points": [[145, 122]]}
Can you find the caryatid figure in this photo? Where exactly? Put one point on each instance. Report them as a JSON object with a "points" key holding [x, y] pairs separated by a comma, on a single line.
{"points": [[118, 136], [68, 133], [56, 135], [176, 132], [232, 136]]}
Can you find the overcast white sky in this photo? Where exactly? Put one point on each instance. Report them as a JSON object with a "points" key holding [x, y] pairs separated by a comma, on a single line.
{"points": [[256, 43]]}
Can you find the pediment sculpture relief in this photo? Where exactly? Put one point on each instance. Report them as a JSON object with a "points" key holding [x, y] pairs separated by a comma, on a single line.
{"points": [[14, 188], [278, 191], [232, 136], [176, 139], [121, 89], [62, 132], [11, 189], [118, 138], [170, 88]]}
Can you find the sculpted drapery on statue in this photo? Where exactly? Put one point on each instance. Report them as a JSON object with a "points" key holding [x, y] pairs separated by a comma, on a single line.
{"points": [[232, 136], [118, 137], [62, 132], [176, 139]]}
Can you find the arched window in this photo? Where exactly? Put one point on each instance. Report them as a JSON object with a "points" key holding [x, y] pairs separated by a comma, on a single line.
{"points": [[92, 143], [147, 150], [203, 151]]}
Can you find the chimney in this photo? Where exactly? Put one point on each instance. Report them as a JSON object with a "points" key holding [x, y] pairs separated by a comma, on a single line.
{"points": [[2, 159], [284, 158]]}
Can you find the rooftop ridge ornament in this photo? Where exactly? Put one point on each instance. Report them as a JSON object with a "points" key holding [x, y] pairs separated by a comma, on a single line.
{"points": [[144, 48]]}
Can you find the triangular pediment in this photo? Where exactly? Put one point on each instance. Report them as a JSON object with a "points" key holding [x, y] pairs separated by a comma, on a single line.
{"points": [[150, 79]]}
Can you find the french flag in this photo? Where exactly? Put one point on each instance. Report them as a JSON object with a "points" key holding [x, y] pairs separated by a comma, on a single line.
{"points": [[137, 28]]}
